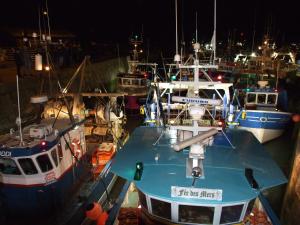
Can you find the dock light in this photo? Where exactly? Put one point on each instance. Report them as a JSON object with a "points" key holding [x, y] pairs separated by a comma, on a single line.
{"points": [[47, 68], [138, 171]]}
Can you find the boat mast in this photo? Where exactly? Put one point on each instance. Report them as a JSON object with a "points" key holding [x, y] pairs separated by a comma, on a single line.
{"points": [[196, 29], [19, 121], [177, 56], [215, 29]]}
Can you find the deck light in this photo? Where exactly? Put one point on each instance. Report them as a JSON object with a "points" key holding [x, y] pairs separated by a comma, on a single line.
{"points": [[43, 143], [138, 171]]}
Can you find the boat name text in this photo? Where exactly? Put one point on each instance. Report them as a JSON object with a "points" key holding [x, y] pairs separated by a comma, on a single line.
{"points": [[5, 153], [198, 193]]}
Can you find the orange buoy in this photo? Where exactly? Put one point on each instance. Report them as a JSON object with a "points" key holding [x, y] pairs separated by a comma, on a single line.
{"points": [[93, 211], [296, 118], [102, 218]]}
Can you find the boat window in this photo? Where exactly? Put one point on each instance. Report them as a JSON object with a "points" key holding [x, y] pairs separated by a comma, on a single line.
{"points": [[8, 166], [271, 99], [261, 98], [44, 162], [60, 152], [142, 198], [135, 81], [27, 166], [54, 156], [231, 213], [126, 81], [161, 209], [211, 93], [251, 98], [196, 214]]}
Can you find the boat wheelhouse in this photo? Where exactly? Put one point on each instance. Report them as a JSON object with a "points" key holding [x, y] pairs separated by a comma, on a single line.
{"points": [[262, 115]]}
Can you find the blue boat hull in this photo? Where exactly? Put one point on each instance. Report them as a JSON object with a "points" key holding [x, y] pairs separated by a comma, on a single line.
{"points": [[40, 201], [265, 125]]}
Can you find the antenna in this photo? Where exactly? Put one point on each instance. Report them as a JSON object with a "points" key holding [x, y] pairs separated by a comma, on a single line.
{"points": [[196, 27], [177, 56], [215, 30], [48, 21], [176, 27], [40, 29], [253, 36]]}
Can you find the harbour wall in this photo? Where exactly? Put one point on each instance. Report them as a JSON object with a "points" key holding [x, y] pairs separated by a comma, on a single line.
{"points": [[96, 76]]}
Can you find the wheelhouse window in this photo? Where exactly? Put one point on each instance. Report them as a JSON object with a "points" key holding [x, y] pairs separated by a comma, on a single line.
{"points": [[8, 166], [231, 213], [54, 156], [135, 82], [44, 163], [251, 98], [196, 214], [261, 98], [272, 99], [161, 208], [142, 199], [27, 166]]}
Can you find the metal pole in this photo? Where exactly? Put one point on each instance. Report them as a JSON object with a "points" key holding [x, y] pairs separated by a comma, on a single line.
{"points": [[176, 27], [19, 111], [215, 30]]}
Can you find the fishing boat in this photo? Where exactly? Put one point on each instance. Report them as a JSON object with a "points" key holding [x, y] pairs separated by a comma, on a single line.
{"points": [[193, 170], [264, 112], [47, 165]]}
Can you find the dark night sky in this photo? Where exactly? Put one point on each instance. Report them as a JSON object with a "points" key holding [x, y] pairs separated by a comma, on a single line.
{"points": [[115, 20]]}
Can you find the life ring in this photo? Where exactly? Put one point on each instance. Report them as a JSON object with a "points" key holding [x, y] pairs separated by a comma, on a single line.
{"points": [[263, 119]]}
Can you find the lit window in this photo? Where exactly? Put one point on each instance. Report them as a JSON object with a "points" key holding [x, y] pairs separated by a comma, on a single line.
{"points": [[8, 166], [231, 213], [44, 162], [161, 209], [196, 214], [27, 166]]}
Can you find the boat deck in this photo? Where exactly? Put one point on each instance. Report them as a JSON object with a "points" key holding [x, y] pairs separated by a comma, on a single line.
{"points": [[224, 167]]}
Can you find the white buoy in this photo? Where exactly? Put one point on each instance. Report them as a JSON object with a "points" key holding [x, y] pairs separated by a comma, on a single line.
{"points": [[38, 62]]}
